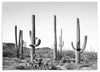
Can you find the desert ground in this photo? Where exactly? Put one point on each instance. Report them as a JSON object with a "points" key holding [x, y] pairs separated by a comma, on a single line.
{"points": [[44, 59]]}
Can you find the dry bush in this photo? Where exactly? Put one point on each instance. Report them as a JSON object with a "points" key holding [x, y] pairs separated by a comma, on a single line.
{"points": [[20, 67], [71, 66]]}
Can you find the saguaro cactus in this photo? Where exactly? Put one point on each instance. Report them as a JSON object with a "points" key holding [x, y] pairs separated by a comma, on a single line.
{"points": [[22, 41], [61, 43], [55, 39], [15, 36], [19, 44], [16, 46], [33, 39], [78, 49]]}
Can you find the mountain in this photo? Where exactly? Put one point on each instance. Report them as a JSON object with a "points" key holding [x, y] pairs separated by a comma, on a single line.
{"points": [[10, 51]]}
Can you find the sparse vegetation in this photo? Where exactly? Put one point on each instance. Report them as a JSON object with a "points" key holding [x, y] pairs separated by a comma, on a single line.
{"points": [[15, 56], [88, 60]]}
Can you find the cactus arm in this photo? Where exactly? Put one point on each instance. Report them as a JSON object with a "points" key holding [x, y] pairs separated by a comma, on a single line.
{"points": [[59, 45], [36, 38], [84, 44], [37, 44], [31, 45], [59, 41], [73, 46], [63, 43], [30, 33]]}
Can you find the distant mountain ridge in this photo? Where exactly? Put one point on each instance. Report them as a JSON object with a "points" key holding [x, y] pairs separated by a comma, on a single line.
{"points": [[10, 51]]}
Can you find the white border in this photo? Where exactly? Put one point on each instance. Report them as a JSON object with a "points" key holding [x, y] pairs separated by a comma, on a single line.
{"points": [[49, 1]]}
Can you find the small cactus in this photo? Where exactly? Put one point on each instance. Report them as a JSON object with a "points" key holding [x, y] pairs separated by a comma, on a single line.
{"points": [[61, 43]]}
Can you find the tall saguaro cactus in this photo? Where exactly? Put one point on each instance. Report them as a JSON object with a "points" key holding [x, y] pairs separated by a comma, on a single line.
{"points": [[78, 49], [22, 41], [55, 39], [16, 46], [61, 43], [33, 39], [19, 44]]}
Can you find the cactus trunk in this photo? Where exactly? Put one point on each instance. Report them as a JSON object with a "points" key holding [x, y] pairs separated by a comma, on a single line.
{"points": [[33, 38], [55, 39], [15, 37], [61, 43], [78, 57], [78, 42], [22, 44], [78, 35], [19, 45], [16, 40]]}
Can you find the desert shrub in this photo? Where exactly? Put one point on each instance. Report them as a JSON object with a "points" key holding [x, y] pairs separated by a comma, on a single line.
{"points": [[85, 64], [63, 61], [6, 63], [66, 59], [53, 68], [89, 57], [42, 64], [45, 54], [18, 60], [71, 66], [8, 54], [37, 64], [94, 66], [7, 59], [50, 56], [69, 53], [20, 67]]}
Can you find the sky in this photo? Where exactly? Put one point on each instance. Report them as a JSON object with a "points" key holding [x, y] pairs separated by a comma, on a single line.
{"points": [[20, 14]]}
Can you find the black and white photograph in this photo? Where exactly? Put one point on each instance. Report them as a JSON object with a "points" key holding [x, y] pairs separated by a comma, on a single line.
{"points": [[49, 36]]}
